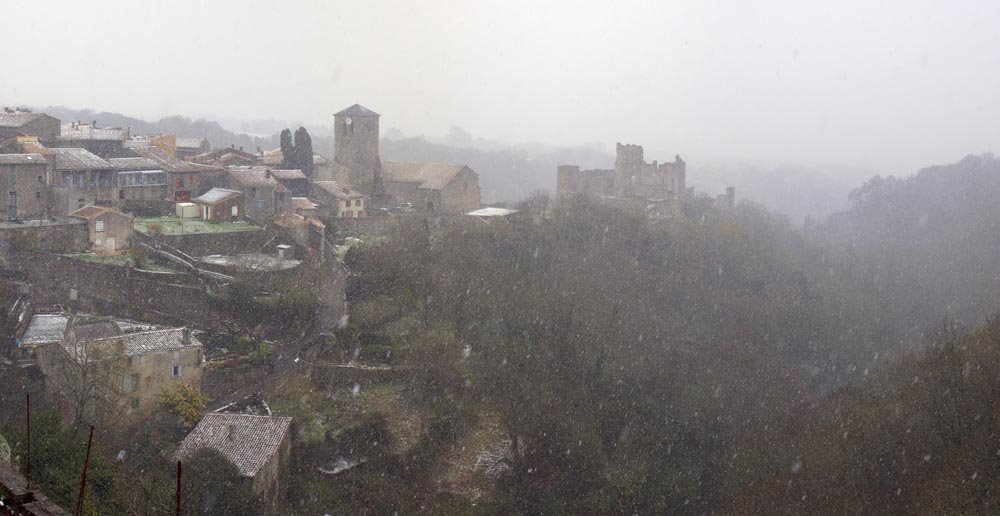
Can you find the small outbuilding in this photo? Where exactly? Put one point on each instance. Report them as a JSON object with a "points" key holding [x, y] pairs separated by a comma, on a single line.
{"points": [[259, 447], [221, 205], [110, 230]]}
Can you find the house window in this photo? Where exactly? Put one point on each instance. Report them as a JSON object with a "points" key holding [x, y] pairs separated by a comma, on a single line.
{"points": [[99, 225], [135, 403], [38, 195], [236, 211], [41, 180], [142, 359], [177, 355], [176, 371], [11, 179], [131, 383]]}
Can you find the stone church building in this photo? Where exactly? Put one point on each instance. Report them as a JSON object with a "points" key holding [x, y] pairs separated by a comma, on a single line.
{"points": [[431, 187]]}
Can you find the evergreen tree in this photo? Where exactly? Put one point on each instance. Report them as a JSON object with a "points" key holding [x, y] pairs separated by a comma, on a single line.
{"points": [[287, 149], [303, 151]]}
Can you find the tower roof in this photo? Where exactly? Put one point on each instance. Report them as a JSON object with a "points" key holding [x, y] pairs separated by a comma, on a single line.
{"points": [[356, 110]]}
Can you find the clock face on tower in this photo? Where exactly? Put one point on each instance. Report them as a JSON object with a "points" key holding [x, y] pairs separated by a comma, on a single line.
{"points": [[347, 121]]}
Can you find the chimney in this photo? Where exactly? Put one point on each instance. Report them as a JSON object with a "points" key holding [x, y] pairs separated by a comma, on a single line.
{"points": [[186, 339], [267, 173], [241, 148], [232, 432], [94, 124], [232, 145]]}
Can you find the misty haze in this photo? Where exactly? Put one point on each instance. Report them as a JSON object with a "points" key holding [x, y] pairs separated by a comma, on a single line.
{"points": [[499, 257]]}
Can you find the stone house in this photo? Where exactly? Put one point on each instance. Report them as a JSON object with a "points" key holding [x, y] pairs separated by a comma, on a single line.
{"points": [[110, 230], [221, 205], [81, 178], [45, 127], [225, 157], [185, 179], [305, 207], [106, 142], [294, 180], [140, 180], [432, 187], [24, 179], [139, 362], [185, 148], [339, 200], [259, 447], [265, 196]]}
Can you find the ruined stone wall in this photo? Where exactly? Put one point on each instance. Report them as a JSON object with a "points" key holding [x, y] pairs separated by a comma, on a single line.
{"points": [[62, 237], [571, 180], [109, 289], [204, 244]]}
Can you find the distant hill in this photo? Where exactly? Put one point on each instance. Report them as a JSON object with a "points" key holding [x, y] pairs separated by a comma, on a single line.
{"points": [[930, 242], [181, 126]]}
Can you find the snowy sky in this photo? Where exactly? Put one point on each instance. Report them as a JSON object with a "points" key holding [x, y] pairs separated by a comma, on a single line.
{"points": [[890, 85]]}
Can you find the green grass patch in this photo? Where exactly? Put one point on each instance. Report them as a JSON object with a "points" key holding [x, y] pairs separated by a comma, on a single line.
{"points": [[179, 226]]}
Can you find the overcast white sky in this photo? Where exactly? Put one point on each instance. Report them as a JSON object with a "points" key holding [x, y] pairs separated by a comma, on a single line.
{"points": [[888, 85]]}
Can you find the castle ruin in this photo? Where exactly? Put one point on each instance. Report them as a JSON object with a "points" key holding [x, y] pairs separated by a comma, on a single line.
{"points": [[632, 178]]}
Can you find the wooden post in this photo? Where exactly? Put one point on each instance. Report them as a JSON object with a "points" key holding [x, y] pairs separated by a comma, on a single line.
{"points": [[83, 478], [178, 501], [27, 421]]}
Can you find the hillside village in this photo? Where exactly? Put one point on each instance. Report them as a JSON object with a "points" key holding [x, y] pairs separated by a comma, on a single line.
{"points": [[147, 267]]}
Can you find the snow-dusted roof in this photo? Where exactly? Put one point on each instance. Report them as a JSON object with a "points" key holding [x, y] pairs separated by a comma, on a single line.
{"points": [[45, 329], [141, 343], [216, 195], [247, 441], [189, 143], [72, 132], [491, 212]]}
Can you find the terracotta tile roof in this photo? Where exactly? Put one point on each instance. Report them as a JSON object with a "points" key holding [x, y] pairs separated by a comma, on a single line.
{"points": [[247, 441], [18, 119], [255, 176], [45, 329], [171, 163], [22, 159], [338, 190], [138, 163], [79, 159], [91, 211], [287, 174], [143, 342], [434, 176], [303, 203]]}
